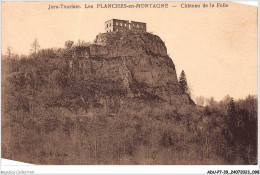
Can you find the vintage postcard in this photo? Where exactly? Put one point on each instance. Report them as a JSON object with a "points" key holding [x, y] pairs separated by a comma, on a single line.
{"points": [[130, 83]]}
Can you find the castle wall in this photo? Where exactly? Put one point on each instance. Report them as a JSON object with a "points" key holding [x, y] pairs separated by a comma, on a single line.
{"points": [[121, 25], [139, 26], [116, 25]]}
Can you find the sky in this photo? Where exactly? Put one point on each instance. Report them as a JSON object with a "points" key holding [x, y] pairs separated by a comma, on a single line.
{"points": [[216, 47]]}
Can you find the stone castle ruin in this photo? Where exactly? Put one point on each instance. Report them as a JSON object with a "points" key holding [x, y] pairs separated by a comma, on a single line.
{"points": [[117, 25]]}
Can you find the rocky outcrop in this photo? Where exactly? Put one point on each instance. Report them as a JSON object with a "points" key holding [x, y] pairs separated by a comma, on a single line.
{"points": [[132, 64]]}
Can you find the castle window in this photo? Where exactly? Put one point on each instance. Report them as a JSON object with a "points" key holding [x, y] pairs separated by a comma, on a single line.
{"points": [[107, 25], [110, 24], [121, 24], [125, 24]]}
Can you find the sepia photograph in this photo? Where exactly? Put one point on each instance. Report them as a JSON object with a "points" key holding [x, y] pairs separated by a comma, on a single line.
{"points": [[129, 83]]}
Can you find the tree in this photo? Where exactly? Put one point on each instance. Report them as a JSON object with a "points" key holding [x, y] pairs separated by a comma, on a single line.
{"points": [[9, 52], [35, 47], [200, 100], [69, 44], [231, 108], [211, 102], [232, 130], [183, 82], [241, 132]]}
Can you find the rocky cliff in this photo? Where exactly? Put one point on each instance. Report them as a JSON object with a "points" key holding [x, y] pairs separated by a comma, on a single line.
{"points": [[115, 102], [131, 68], [109, 102]]}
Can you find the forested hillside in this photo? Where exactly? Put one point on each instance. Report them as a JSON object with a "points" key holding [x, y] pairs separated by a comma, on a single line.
{"points": [[71, 106]]}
